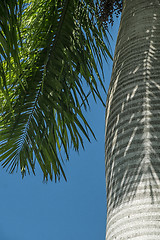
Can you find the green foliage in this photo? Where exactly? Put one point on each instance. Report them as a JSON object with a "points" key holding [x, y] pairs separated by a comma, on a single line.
{"points": [[49, 50]]}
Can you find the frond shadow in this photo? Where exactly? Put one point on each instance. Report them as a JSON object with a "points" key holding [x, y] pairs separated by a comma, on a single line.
{"points": [[133, 131]]}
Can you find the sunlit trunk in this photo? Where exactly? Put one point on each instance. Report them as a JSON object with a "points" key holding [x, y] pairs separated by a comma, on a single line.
{"points": [[133, 126]]}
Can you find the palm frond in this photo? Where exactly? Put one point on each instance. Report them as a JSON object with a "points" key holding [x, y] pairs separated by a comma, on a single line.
{"points": [[57, 48]]}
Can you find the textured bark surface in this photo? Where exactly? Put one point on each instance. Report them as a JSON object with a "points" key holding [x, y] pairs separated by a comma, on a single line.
{"points": [[133, 126]]}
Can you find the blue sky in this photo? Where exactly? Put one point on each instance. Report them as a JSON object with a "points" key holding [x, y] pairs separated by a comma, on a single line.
{"points": [[76, 209]]}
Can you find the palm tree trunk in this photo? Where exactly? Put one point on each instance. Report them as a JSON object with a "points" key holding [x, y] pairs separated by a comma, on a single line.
{"points": [[133, 126]]}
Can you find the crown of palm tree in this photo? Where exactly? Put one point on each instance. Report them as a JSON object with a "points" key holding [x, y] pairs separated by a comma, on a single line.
{"points": [[107, 9]]}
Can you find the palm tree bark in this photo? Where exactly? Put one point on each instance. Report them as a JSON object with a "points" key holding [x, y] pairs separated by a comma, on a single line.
{"points": [[133, 126]]}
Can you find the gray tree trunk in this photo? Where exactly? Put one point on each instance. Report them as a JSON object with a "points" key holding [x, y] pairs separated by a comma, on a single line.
{"points": [[133, 126]]}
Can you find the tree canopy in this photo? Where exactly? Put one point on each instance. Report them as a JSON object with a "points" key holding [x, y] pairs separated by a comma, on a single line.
{"points": [[49, 50]]}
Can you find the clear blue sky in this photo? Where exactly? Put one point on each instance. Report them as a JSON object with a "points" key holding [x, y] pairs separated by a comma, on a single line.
{"points": [[72, 210]]}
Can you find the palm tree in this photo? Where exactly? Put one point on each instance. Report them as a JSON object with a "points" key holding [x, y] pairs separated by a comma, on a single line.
{"points": [[49, 51], [132, 126]]}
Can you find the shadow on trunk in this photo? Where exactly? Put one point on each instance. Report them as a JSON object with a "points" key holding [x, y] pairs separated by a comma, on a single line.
{"points": [[133, 115]]}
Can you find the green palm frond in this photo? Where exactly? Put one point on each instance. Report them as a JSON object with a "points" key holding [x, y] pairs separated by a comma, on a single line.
{"points": [[60, 44]]}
